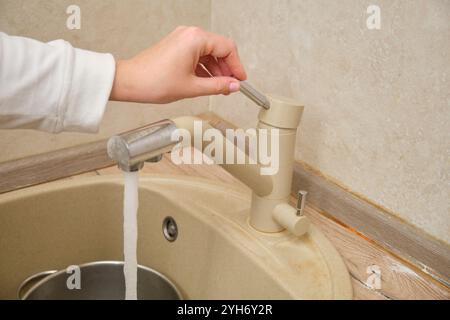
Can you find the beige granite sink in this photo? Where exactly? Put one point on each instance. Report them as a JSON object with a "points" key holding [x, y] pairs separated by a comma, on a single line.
{"points": [[217, 255]]}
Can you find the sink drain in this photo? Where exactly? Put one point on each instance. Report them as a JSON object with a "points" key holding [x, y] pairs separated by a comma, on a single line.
{"points": [[170, 229]]}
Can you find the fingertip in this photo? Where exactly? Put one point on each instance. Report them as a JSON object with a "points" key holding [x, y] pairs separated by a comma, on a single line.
{"points": [[239, 74], [215, 85], [243, 75], [234, 86], [239, 71]]}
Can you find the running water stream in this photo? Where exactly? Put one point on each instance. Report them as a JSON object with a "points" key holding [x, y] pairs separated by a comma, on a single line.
{"points": [[130, 207]]}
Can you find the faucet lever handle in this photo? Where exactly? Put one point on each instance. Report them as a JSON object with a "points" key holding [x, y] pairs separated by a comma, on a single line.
{"points": [[254, 95], [248, 90], [301, 200]]}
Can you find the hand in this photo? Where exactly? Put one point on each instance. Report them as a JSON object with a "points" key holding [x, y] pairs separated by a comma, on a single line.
{"points": [[172, 69]]}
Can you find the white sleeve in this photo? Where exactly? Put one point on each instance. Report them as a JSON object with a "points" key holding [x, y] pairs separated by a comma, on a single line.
{"points": [[52, 86]]}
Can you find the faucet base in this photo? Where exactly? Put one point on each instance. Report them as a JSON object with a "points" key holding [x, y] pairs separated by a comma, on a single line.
{"points": [[261, 214]]}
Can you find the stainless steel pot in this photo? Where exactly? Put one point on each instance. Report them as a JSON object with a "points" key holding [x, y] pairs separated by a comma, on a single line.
{"points": [[102, 280]]}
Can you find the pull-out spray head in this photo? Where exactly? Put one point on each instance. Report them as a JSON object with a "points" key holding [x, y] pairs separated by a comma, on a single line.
{"points": [[131, 149]]}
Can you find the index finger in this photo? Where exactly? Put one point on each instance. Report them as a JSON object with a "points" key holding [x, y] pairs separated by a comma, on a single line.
{"points": [[224, 48]]}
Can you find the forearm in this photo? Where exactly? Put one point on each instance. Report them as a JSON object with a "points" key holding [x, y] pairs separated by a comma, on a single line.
{"points": [[52, 86]]}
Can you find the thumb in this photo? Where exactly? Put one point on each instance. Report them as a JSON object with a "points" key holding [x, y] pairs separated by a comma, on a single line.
{"points": [[216, 85]]}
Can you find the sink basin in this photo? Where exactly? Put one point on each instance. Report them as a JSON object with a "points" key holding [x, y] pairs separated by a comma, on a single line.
{"points": [[216, 255]]}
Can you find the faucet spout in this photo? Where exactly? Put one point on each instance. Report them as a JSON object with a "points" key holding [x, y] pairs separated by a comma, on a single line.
{"points": [[247, 173], [131, 149]]}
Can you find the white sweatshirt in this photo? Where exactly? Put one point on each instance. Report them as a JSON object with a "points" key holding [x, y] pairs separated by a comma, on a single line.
{"points": [[52, 86]]}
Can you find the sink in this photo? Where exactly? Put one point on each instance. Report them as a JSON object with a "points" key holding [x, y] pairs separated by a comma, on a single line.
{"points": [[216, 255]]}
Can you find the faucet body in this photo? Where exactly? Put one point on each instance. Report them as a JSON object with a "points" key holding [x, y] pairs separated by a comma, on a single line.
{"points": [[270, 211]]}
